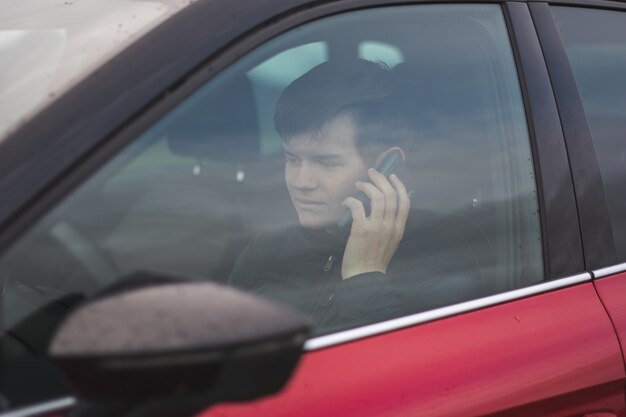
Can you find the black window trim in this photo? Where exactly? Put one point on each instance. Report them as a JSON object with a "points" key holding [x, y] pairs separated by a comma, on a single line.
{"points": [[598, 4], [560, 231], [598, 245]]}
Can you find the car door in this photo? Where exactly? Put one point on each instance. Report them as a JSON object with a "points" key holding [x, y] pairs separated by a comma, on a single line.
{"points": [[597, 84], [499, 315]]}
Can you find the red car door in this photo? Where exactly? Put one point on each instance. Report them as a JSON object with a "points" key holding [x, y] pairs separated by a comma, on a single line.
{"points": [[552, 354], [612, 291]]}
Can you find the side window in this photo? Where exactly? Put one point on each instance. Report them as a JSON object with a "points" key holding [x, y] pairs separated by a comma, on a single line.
{"points": [[261, 179], [595, 42]]}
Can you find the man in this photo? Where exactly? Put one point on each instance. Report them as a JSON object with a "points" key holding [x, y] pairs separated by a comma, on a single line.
{"points": [[336, 122]]}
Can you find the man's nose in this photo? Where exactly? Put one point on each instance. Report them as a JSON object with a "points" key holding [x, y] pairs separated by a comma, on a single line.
{"points": [[304, 178]]}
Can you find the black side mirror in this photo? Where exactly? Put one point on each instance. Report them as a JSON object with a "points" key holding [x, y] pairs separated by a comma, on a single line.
{"points": [[175, 347]]}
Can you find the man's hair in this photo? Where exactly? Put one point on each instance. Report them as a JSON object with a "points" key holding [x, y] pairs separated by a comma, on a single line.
{"points": [[357, 88]]}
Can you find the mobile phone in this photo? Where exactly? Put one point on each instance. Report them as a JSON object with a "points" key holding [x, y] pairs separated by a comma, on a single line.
{"points": [[389, 165]]}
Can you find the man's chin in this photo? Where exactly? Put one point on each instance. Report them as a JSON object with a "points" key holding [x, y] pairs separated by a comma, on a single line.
{"points": [[316, 223]]}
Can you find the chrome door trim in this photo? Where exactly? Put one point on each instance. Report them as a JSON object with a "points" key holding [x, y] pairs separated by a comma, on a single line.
{"points": [[39, 409], [439, 313], [609, 270]]}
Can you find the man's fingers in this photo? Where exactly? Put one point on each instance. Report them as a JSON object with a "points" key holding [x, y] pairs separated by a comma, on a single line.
{"points": [[391, 196], [377, 199], [356, 209]]}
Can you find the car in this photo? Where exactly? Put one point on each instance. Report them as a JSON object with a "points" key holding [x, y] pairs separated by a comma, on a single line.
{"points": [[141, 160]]}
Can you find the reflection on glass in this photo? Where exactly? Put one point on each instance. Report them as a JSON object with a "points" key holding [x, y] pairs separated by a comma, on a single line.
{"points": [[380, 52]]}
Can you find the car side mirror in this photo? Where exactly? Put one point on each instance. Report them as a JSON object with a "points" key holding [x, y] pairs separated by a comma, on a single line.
{"points": [[159, 346]]}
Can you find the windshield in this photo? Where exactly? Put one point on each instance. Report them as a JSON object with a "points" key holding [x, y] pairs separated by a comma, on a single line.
{"points": [[47, 46]]}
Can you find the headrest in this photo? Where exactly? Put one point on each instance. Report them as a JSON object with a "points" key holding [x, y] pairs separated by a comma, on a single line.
{"points": [[221, 124]]}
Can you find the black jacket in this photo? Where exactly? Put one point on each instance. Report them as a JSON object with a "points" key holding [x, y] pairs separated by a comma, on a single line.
{"points": [[301, 268]]}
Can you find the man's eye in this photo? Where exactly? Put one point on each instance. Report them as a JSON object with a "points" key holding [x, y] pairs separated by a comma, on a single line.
{"points": [[329, 164], [291, 160]]}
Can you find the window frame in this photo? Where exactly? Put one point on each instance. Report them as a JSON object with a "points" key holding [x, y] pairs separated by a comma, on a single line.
{"points": [[597, 235], [559, 218]]}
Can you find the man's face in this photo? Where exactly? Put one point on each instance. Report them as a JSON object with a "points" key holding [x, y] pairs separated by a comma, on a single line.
{"points": [[320, 172]]}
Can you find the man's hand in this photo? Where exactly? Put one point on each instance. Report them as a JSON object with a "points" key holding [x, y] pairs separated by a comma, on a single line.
{"points": [[373, 240]]}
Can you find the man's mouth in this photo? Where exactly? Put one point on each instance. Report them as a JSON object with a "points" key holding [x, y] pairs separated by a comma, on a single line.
{"points": [[306, 203]]}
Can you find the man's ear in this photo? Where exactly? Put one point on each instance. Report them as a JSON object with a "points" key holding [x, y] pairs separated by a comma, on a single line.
{"points": [[388, 151]]}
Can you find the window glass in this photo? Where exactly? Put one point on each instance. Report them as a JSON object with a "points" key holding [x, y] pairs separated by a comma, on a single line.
{"points": [[250, 180], [595, 41]]}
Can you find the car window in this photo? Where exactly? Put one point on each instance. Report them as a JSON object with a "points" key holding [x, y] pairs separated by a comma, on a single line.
{"points": [[595, 42], [260, 180]]}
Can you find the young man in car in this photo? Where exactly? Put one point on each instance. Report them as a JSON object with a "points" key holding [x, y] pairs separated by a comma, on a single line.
{"points": [[337, 122]]}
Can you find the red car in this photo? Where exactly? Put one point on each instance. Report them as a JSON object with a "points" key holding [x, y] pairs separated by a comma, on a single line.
{"points": [[312, 208]]}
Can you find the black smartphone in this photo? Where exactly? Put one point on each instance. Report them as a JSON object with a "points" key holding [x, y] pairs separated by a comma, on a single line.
{"points": [[387, 166]]}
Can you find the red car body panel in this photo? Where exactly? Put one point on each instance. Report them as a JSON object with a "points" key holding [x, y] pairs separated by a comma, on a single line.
{"points": [[612, 291], [471, 364]]}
